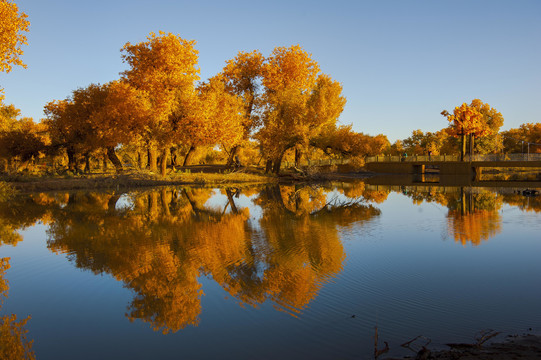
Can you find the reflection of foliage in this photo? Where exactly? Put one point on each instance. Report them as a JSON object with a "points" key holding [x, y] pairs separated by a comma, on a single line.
{"points": [[13, 341], [160, 244], [162, 241], [524, 203], [4, 286], [358, 190], [472, 216], [18, 212], [474, 227], [6, 191]]}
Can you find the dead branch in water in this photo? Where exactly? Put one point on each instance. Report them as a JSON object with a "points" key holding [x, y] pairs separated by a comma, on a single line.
{"points": [[379, 352]]}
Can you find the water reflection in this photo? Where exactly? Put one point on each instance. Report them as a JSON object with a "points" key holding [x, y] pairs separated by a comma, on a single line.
{"points": [[158, 243], [13, 341], [473, 213], [277, 244], [474, 217]]}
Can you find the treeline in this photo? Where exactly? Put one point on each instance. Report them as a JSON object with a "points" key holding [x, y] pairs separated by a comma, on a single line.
{"points": [[473, 128], [160, 113], [258, 110]]}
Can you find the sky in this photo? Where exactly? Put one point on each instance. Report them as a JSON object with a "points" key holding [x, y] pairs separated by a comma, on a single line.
{"points": [[400, 62]]}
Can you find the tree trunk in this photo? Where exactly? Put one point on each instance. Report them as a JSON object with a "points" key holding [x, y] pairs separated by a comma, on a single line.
{"points": [[268, 166], [111, 154], [472, 145], [163, 162], [87, 163], [104, 162], [298, 155], [229, 194], [232, 154], [278, 164], [153, 158], [463, 149], [189, 156], [173, 151], [140, 159], [71, 160]]}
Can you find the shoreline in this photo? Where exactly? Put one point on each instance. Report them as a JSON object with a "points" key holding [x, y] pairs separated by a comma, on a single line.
{"points": [[101, 181], [134, 180], [526, 346]]}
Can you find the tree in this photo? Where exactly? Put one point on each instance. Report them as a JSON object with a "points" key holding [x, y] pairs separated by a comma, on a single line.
{"points": [[474, 120], [70, 122], [289, 75], [164, 68], [527, 137], [211, 116], [20, 138], [299, 103], [13, 25], [493, 120], [420, 143], [464, 121], [344, 141], [242, 77], [121, 119]]}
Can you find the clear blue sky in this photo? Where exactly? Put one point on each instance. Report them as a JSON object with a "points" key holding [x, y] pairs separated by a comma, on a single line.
{"points": [[400, 62]]}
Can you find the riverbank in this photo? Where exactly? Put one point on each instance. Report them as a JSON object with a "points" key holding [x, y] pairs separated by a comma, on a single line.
{"points": [[527, 346], [196, 175]]}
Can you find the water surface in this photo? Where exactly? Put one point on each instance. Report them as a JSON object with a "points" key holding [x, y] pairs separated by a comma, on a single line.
{"points": [[270, 272]]}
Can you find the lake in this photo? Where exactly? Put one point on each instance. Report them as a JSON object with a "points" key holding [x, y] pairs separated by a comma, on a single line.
{"points": [[268, 272]]}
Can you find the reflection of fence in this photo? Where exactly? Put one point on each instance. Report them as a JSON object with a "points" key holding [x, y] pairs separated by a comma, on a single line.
{"points": [[478, 157], [319, 162]]}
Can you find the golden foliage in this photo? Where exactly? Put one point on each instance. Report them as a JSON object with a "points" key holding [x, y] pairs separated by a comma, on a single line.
{"points": [[474, 227], [299, 103], [289, 67], [241, 76], [477, 119], [466, 120], [14, 344], [161, 66], [13, 25]]}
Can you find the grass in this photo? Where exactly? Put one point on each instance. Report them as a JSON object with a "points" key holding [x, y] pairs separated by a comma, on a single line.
{"points": [[221, 178], [201, 176]]}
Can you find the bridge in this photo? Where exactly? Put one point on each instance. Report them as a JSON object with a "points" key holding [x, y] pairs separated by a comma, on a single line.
{"points": [[450, 164]]}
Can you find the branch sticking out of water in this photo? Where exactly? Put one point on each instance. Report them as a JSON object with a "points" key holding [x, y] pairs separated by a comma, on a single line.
{"points": [[379, 352]]}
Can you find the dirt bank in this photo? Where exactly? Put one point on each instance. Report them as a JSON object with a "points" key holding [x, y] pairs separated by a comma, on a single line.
{"points": [[512, 347]]}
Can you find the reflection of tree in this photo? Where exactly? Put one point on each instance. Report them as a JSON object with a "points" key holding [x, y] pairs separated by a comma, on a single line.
{"points": [[523, 202], [13, 341], [159, 242], [19, 212], [302, 248], [472, 217]]}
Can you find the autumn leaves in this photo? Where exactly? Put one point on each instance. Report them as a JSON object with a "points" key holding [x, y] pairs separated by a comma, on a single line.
{"points": [[13, 25], [283, 101], [475, 120]]}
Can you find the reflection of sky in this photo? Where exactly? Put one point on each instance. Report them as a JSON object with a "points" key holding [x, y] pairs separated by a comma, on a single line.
{"points": [[220, 201]]}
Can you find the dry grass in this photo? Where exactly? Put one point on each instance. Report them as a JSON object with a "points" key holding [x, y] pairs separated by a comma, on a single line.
{"points": [[132, 180]]}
